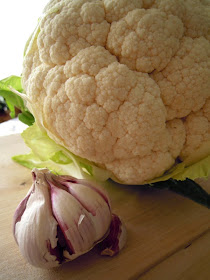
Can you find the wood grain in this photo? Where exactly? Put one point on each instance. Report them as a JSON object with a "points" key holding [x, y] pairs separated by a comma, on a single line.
{"points": [[159, 225], [191, 262]]}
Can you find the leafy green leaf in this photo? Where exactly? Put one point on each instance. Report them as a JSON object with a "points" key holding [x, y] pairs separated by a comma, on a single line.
{"points": [[187, 188], [183, 171], [60, 158], [46, 153], [39, 142], [26, 117], [13, 100], [14, 81], [30, 161]]}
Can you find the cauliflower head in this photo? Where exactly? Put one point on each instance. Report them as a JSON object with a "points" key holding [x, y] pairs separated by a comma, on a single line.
{"points": [[123, 83]]}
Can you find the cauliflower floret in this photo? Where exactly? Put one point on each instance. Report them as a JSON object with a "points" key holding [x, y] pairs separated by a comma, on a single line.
{"points": [[30, 63], [35, 89], [73, 26], [116, 9], [194, 15], [148, 3], [197, 127], [185, 83], [178, 134], [154, 35], [124, 84]]}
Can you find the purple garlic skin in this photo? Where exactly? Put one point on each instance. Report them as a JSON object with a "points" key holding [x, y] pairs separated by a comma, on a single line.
{"points": [[62, 217], [116, 238]]}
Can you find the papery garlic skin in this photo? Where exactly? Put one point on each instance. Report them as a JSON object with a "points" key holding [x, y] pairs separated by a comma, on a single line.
{"points": [[116, 239], [37, 228], [94, 199], [60, 219], [75, 222]]}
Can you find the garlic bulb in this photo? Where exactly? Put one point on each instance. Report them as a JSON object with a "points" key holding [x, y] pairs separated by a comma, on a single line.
{"points": [[62, 218]]}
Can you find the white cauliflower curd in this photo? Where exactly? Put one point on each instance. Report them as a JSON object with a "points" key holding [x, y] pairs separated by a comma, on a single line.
{"points": [[123, 83]]}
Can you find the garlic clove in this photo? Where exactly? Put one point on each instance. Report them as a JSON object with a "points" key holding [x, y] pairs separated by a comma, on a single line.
{"points": [[116, 239], [96, 205], [66, 179], [73, 220], [97, 188], [94, 199], [37, 225], [20, 209]]}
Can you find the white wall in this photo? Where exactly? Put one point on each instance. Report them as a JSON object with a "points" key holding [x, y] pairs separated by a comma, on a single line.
{"points": [[17, 21]]}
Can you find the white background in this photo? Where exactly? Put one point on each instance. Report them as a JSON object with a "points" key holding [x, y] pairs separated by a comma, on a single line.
{"points": [[18, 19]]}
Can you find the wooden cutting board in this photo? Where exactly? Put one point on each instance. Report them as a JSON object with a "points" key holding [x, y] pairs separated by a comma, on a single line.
{"points": [[161, 226]]}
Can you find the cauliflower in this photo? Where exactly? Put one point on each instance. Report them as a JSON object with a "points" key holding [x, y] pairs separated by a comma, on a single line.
{"points": [[124, 84]]}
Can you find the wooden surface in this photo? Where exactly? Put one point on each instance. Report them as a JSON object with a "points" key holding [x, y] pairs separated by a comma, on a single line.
{"points": [[168, 236]]}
